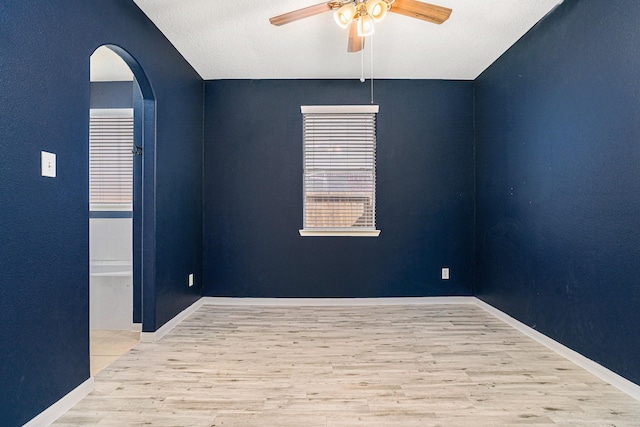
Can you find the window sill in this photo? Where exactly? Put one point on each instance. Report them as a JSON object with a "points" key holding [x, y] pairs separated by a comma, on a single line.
{"points": [[339, 233]]}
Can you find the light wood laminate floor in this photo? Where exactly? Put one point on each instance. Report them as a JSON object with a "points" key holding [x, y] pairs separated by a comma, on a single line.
{"points": [[107, 346], [440, 365]]}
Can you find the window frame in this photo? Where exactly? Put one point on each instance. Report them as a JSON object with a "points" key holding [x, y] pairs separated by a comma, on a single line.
{"points": [[123, 138], [351, 196]]}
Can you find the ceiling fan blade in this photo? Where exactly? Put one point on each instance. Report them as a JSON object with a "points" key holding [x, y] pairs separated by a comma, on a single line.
{"points": [[421, 10], [356, 43], [300, 14]]}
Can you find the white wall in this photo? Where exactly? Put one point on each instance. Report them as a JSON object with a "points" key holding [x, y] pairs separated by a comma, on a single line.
{"points": [[111, 283]]}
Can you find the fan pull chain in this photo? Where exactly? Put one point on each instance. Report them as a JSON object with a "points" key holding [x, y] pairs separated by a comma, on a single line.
{"points": [[362, 65], [371, 51]]}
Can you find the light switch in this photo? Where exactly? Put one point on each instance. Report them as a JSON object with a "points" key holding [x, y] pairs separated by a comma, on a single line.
{"points": [[48, 164], [191, 280], [445, 273]]}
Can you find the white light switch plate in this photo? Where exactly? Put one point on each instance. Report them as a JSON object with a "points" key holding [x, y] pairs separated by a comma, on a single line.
{"points": [[445, 273], [48, 164], [191, 280]]}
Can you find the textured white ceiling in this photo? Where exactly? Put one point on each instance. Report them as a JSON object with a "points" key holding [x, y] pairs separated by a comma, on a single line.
{"points": [[233, 39]]}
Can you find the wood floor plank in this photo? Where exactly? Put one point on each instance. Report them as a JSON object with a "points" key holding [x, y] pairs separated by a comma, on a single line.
{"points": [[414, 365]]}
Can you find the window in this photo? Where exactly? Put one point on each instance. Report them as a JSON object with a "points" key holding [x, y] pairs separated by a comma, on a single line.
{"points": [[111, 159], [339, 170]]}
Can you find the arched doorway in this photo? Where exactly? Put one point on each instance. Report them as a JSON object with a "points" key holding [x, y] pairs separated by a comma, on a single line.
{"points": [[122, 290]]}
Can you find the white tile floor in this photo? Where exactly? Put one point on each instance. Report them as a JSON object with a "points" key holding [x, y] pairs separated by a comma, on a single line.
{"points": [[108, 346], [447, 365]]}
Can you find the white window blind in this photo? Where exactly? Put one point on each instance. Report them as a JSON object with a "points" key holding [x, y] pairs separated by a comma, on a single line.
{"points": [[110, 157], [339, 170]]}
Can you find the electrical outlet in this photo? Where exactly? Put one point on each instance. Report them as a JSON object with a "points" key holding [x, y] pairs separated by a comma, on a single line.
{"points": [[191, 280], [445, 273]]}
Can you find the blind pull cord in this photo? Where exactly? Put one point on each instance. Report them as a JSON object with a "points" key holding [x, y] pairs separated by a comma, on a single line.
{"points": [[362, 65], [362, 79], [371, 51]]}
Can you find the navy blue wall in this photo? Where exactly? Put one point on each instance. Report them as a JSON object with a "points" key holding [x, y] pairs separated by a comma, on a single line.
{"points": [[558, 181], [44, 105], [253, 192], [111, 95]]}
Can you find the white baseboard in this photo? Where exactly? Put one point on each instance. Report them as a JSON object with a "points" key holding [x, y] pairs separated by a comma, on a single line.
{"points": [[319, 302], [167, 327], [58, 409], [585, 363], [136, 327]]}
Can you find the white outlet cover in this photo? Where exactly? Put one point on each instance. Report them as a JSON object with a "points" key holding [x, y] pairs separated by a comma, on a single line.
{"points": [[190, 279], [48, 164], [445, 273]]}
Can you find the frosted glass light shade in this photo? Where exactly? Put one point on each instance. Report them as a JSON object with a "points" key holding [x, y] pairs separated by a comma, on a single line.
{"points": [[345, 14], [365, 26], [377, 9]]}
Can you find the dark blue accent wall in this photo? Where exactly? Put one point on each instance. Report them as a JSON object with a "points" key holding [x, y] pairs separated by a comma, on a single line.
{"points": [[112, 94], [253, 192], [44, 105], [558, 181]]}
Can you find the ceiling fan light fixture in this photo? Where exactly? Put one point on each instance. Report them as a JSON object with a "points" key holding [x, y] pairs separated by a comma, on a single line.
{"points": [[359, 15], [377, 9], [345, 14], [365, 26]]}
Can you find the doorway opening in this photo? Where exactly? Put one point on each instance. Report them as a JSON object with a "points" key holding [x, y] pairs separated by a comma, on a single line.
{"points": [[121, 213]]}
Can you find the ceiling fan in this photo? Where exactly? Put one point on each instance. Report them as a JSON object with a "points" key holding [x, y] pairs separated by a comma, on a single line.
{"points": [[359, 15]]}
